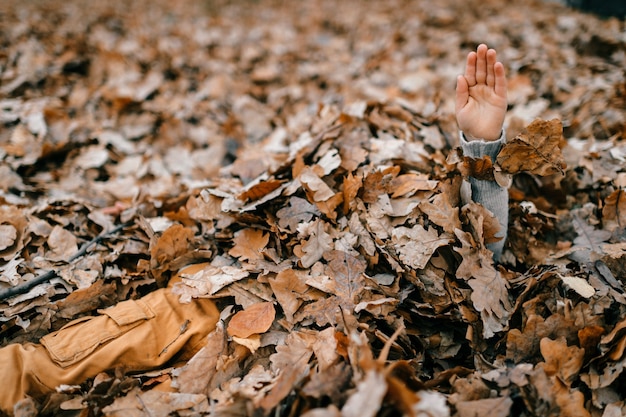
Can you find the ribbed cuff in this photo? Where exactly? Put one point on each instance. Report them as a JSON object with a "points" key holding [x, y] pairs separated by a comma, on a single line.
{"points": [[478, 148]]}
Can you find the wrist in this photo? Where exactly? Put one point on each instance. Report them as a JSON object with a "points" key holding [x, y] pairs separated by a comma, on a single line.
{"points": [[487, 138]]}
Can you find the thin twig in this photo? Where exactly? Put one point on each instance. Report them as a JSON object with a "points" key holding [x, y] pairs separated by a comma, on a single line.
{"points": [[47, 276]]}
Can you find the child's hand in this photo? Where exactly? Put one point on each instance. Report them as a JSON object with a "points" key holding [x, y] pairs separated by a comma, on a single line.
{"points": [[481, 96]]}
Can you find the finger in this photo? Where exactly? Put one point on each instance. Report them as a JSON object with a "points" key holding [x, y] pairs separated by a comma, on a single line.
{"points": [[500, 79], [462, 92], [491, 60], [470, 69], [481, 64]]}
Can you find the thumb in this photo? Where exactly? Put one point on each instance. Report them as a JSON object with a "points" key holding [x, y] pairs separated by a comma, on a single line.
{"points": [[462, 92]]}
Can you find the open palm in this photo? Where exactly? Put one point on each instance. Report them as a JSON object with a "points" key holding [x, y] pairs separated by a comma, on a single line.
{"points": [[481, 99]]}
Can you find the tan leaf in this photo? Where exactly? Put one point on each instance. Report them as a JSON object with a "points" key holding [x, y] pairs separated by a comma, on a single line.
{"points": [[416, 245], [615, 207], [492, 407], [317, 187], [352, 157], [195, 376], [408, 184], [368, 397], [521, 346], [208, 280], [328, 207], [484, 224], [249, 244], [561, 360], [351, 187], [490, 294], [325, 348], [288, 289], [347, 272], [298, 211], [62, 244], [257, 318], [378, 182], [174, 242], [323, 312], [157, 403], [292, 361], [537, 150], [319, 242], [8, 235], [442, 213]]}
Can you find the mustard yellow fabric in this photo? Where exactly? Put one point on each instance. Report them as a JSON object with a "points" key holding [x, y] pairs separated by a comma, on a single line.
{"points": [[136, 335]]}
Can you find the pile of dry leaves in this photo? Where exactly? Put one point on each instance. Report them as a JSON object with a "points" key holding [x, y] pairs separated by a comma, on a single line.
{"points": [[304, 155]]}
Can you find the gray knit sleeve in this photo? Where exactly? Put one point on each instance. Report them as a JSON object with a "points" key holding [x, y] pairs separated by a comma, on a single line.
{"points": [[490, 194]]}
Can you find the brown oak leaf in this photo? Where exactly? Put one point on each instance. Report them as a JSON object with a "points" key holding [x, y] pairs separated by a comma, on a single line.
{"points": [[537, 149], [249, 244]]}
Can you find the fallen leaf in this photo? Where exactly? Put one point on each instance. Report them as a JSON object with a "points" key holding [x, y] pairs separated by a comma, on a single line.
{"points": [[249, 244], [62, 243], [537, 149], [417, 245], [255, 319], [615, 207]]}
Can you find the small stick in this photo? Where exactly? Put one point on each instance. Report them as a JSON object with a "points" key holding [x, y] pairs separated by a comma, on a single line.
{"points": [[47, 276]]}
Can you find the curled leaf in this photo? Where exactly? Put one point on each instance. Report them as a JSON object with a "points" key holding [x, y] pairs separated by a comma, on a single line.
{"points": [[537, 149]]}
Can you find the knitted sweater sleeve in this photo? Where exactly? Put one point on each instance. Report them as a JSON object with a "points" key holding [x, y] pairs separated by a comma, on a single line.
{"points": [[490, 194]]}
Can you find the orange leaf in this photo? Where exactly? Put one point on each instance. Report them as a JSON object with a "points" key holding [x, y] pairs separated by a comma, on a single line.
{"points": [[249, 244], [174, 242], [408, 184], [260, 190], [351, 187], [257, 318]]}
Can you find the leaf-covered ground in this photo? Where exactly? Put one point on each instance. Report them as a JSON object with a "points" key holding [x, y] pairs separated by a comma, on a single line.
{"points": [[303, 154]]}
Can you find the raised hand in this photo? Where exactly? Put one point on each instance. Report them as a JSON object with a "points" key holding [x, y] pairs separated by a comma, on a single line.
{"points": [[481, 101]]}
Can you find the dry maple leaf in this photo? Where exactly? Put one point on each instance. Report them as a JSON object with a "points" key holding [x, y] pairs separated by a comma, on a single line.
{"points": [[537, 149], [255, 319]]}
